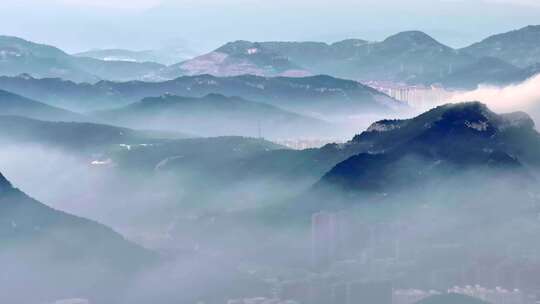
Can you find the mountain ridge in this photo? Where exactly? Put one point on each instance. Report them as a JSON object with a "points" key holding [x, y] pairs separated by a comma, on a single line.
{"points": [[320, 93], [84, 256], [520, 47], [13, 104], [463, 135], [214, 115], [19, 56]]}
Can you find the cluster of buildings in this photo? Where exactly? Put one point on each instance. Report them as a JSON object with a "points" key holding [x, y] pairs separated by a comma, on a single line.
{"points": [[332, 237], [335, 237], [418, 96], [377, 260]]}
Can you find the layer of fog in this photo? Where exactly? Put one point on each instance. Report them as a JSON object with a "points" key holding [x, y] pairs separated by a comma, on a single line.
{"points": [[427, 236], [144, 204], [216, 248], [221, 254], [523, 96]]}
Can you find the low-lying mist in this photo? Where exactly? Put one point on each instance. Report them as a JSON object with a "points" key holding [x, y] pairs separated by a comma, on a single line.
{"points": [[523, 96], [138, 197], [229, 221], [428, 236]]}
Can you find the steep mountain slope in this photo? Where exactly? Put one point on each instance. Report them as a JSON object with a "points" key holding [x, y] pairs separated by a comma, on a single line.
{"points": [[215, 115], [84, 257], [12, 104], [236, 58], [316, 94], [519, 47], [487, 70], [449, 139], [19, 56]]}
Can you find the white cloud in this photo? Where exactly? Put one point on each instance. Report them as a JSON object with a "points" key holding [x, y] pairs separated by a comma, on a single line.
{"points": [[519, 97]]}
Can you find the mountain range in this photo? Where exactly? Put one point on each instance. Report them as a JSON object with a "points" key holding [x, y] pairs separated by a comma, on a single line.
{"points": [[422, 153], [163, 177], [308, 95], [215, 115], [407, 56], [18, 56], [465, 135], [390, 154], [411, 57]]}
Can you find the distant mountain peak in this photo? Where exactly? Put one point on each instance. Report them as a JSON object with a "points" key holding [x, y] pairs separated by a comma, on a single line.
{"points": [[237, 58], [450, 118], [477, 115], [240, 47], [28, 47], [412, 37], [446, 139]]}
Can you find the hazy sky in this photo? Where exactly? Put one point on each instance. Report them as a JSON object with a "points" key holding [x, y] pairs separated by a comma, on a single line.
{"points": [[76, 25]]}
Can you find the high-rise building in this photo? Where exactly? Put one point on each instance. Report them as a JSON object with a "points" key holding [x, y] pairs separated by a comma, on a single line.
{"points": [[347, 235], [323, 238]]}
